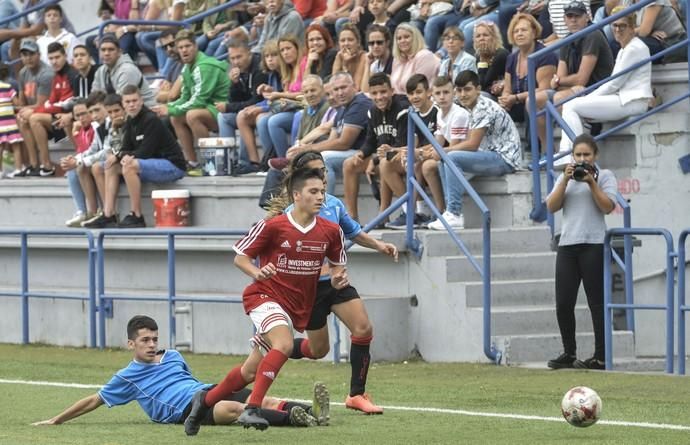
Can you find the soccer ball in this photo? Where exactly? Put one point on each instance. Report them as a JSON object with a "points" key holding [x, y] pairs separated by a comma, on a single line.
{"points": [[581, 406]]}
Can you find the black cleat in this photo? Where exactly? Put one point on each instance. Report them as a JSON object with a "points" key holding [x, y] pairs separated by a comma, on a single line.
{"points": [[300, 417], [251, 417], [563, 361], [590, 363], [192, 423]]}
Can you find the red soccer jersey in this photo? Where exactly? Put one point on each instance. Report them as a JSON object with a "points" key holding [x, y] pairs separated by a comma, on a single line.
{"points": [[297, 253]]}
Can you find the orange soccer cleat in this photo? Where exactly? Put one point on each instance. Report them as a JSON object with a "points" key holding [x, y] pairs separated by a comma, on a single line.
{"points": [[362, 403]]}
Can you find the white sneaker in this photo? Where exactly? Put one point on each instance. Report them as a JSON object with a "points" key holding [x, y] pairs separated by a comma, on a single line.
{"points": [[453, 220], [76, 220]]}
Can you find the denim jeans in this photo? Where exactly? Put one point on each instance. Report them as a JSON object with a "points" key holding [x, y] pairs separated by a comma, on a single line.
{"points": [[210, 46], [476, 163], [506, 11], [334, 165], [7, 8], [274, 131], [147, 43], [227, 125], [436, 25], [467, 27], [159, 170], [76, 191]]}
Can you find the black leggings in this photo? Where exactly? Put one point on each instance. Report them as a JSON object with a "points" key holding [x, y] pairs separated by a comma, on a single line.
{"points": [[575, 263]]}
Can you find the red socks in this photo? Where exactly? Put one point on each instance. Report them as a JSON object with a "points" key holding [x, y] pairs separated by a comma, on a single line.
{"points": [[265, 374], [232, 383]]}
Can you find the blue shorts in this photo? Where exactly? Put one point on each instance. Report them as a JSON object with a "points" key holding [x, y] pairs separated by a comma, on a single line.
{"points": [[158, 170]]}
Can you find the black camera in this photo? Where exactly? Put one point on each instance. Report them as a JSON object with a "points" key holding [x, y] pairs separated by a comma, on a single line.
{"points": [[581, 170]]}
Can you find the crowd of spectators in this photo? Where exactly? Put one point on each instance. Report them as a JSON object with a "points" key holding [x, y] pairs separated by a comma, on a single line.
{"points": [[333, 76]]}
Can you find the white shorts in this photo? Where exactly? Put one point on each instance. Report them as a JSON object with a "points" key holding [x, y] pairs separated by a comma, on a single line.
{"points": [[266, 317]]}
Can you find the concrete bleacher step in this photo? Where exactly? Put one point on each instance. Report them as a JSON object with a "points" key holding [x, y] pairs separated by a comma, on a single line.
{"points": [[510, 266], [529, 292], [508, 320], [503, 240], [534, 350]]}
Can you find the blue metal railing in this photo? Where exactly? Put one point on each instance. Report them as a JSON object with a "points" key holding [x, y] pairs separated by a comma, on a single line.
{"points": [[5, 20], [629, 305], [682, 306], [550, 110], [25, 294], [412, 243], [171, 298]]}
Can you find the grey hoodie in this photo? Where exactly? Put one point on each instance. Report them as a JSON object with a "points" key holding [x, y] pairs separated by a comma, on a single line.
{"points": [[286, 22], [124, 73]]}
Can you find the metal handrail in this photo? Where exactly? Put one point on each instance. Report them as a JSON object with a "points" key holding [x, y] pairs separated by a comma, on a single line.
{"points": [[682, 307], [20, 14], [538, 212], [629, 306], [171, 296], [413, 244], [25, 293]]}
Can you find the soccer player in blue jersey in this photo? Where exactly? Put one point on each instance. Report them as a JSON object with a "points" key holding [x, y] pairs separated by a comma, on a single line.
{"points": [[344, 303], [163, 385]]}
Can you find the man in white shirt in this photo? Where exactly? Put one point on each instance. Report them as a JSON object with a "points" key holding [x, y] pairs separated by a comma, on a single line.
{"points": [[52, 18]]}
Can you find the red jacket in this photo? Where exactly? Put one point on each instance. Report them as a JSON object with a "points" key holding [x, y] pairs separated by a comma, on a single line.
{"points": [[61, 92]]}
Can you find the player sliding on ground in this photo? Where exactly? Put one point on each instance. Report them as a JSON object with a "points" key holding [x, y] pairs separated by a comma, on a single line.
{"points": [[161, 382], [291, 249], [344, 303]]}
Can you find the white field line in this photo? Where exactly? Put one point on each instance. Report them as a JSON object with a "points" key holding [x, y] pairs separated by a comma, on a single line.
{"points": [[658, 426]]}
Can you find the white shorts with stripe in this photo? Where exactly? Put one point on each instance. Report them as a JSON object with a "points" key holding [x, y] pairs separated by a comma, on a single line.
{"points": [[266, 317]]}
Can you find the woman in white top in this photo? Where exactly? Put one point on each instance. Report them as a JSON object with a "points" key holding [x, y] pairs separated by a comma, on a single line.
{"points": [[619, 98], [410, 56]]}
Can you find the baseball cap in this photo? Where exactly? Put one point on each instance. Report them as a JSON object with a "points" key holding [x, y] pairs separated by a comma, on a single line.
{"points": [[575, 7], [28, 45]]}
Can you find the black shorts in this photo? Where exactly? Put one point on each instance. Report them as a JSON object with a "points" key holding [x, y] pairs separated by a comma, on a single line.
{"points": [[326, 297], [239, 396]]}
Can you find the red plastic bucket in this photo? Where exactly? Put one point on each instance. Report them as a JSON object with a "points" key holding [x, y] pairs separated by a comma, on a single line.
{"points": [[171, 208]]}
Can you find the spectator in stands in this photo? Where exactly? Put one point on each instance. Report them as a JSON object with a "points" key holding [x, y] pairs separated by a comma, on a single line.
{"points": [[148, 35], [45, 120], [310, 9], [193, 114], [127, 10], [83, 137], [282, 20], [52, 16], [335, 9], [78, 167], [348, 132], [213, 28], [411, 57], [351, 57], [377, 16], [105, 12], [478, 11], [435, 26], [580, 256], [580, 64], [452, 123], [393, 174], [659, 27], [118, 70], [149, 153], [492, 147], [247, 118], [35, 82], [619, 98], [169, 89], [456, 59], [245, 77], [82, 83], [524, 32], [387, 127], [320, 51], [491, 58], [250, 31], [536, 8], [8, 9], [112, 145], [32, 25], [275, 128], [379, 41], [10, 137], [557, 19]]}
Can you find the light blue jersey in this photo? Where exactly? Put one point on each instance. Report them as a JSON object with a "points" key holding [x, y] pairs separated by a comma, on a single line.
{"points": [[334, 210], [163, 390]]}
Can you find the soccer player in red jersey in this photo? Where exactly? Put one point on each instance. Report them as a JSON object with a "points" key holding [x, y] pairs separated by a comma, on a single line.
{"points": [[291, 249]]}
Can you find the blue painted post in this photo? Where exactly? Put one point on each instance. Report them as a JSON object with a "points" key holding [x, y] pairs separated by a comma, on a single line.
{"points": [[549, 166], [171, 288], [681, 302], [537, 213], [101, 290], [489, 350], [92, 290], [410, 174], [669, 302], [627, 254], [608, 329], [25, 287]]}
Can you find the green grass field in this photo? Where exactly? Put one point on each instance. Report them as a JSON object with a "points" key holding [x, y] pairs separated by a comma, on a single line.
{"points": [[460, 389]]}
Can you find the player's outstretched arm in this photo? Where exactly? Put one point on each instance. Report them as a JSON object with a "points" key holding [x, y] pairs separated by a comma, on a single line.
{"points": [[83, 406], [246, 265], [366, 240]]}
